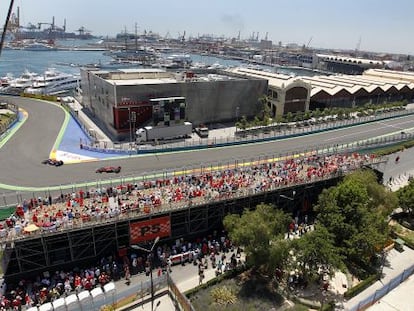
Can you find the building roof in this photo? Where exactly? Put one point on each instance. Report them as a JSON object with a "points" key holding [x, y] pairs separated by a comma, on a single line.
{"points": [[137, 76], [274, 79], [334, 84], [352, 60]]}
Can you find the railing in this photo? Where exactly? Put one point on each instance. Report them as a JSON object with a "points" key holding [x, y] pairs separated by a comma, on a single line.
{"points": [[378, 294], [257, 135], [135, 293], [4, 127], [137, 211], [12, 199], [181, 301]]}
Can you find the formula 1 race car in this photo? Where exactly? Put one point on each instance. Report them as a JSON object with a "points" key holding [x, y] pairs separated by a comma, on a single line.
{"points": [[53, 162], [109, 169]]}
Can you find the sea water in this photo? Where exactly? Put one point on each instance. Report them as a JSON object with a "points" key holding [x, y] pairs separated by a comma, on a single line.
{"points": [[15, 62]]}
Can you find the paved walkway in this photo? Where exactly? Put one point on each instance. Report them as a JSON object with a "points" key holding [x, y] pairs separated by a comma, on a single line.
{"points": [[396, 263], [399, 298], [166, 303]]}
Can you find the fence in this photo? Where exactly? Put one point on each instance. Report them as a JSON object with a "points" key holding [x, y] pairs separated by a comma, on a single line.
{"points": [[5, 126], [180, 300], [98, 187], [11, 199], [378, 294], [243, 136], [108, 294]]}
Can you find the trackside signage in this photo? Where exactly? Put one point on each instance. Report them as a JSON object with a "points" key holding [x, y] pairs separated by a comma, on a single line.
{"points": [[148, 230]]}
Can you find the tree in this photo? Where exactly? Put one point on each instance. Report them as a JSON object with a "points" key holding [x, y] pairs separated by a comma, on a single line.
{"points": [[316, 249], [351, 213], [266, 113], [243, 124], [289, 117], [406, 198], [261, 233]]}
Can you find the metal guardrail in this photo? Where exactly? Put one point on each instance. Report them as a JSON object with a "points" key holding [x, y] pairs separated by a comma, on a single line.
{"points": [[10, 121], [252, 135], [11, 199], [187, 203]]}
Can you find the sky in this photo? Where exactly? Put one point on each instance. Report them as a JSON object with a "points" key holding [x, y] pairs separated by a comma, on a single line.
{"points": [[372, 25]]}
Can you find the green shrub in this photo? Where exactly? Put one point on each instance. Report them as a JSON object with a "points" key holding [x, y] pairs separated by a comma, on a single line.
{"points": [[353, 291], [223, 295], [227, 275]]}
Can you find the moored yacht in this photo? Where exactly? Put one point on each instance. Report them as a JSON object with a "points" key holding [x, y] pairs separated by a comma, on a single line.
{"points": [[19, 84], [39, 46], [53, 82]]}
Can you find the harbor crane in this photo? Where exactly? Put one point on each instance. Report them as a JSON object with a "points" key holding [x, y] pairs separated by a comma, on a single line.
{"points": [[310, 40], [39, 25], [52, 24], [83, 31], [358, 46]]}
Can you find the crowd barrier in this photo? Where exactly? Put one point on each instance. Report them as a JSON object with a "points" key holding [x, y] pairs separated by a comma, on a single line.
{"points": [[4, 127], [378, 294], [136, 210], [99, 297]]}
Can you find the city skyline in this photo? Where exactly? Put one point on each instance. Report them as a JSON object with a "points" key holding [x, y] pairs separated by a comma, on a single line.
{"points": [[377, 26]]}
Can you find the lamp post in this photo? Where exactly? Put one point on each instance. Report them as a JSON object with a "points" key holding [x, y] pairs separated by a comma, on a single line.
{"points": [[149, 251], [133, 120], [237, 116], [130, 124]]}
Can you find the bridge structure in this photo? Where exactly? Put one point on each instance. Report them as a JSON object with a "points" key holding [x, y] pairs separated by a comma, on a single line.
{"points": [[86, 240]]}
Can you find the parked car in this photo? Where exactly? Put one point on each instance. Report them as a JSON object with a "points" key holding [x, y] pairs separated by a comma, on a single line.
{"points": [[109, 169], [53, 162]]}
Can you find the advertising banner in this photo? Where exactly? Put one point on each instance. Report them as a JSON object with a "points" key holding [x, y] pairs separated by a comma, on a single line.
{"points": [[148, 230]]}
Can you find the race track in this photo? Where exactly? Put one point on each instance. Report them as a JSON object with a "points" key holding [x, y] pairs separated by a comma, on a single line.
{"points": [[21, 156]]}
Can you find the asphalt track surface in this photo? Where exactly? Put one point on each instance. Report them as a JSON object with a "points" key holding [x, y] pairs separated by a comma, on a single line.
{"points": [[21, 156]]}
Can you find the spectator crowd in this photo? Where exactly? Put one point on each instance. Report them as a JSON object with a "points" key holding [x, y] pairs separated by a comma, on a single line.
{"points": [[113, 203], [52, 285]]}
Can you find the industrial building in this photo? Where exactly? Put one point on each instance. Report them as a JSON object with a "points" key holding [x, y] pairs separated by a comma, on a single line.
{"points": [[114, 96], [347, 64], [302, 93]]}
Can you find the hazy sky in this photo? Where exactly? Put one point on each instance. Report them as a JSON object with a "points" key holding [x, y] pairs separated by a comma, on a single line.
{"points": [[381, 25]]}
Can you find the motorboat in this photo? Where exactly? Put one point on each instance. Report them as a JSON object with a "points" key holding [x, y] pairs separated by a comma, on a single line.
{"points": [[20, 83], [5, 81], [53, 82], [39, 46], [178, 61]]}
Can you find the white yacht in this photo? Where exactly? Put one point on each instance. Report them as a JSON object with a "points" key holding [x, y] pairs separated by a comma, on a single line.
{"points": [[39, 46], [19, 84], [53, 82]]}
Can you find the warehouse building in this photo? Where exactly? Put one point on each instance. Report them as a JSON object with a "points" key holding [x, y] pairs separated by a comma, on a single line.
{"points": [[302, 93]]}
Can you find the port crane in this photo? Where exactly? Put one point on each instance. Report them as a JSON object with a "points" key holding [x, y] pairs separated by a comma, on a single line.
{"points": [[310, 40], [39, 25], [83, 31]]}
